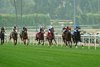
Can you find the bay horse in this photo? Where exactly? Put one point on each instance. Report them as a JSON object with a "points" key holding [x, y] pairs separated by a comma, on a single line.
{"points": [[40, 36], [67, 37], [14, 36], [50, 36], [2, 35], [24, 36]]}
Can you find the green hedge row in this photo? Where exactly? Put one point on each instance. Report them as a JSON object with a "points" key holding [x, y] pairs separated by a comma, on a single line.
{"points": [[27, 20], [88, 19]]}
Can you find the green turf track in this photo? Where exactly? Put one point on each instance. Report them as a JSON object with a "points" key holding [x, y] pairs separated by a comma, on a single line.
{"points": [[44, 56]]}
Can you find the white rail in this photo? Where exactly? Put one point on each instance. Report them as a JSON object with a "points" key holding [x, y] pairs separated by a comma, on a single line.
{"points": [[87, 40]]}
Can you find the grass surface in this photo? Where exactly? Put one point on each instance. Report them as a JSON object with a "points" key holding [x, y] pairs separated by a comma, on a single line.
{"points": [[44, 56]]}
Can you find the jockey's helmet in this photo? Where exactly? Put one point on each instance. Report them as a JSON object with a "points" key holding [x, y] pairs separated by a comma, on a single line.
{"points": [[14, 26], [2, 28], [23, 28]]}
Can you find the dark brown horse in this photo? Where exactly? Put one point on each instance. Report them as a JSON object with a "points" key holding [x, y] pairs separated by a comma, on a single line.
{"points": [[50, 36], [14, 36], [76, 37], [40, 36], [2, 35], [24, 37], [67, 37]]}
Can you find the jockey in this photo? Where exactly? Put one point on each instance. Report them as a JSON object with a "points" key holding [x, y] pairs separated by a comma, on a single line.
{"points": [[15, 28], [75, 30], [65, 29], [51, 29], [24, 33], [24, 29], [41, 29], [2, 29]]}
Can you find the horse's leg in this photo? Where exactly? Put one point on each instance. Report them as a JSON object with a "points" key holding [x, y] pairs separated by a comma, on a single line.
{"points": [[24, 41], [49, 42], [38, 42], [27, 41], [63, 40], [70, 44], [42, 42], [76, 43], [16, 42], [2, 41], [55, 40], [66, 43]]}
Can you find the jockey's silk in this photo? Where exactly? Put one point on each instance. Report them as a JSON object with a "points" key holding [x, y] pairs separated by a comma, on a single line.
{"points": [[24, 34], [49, 34]]}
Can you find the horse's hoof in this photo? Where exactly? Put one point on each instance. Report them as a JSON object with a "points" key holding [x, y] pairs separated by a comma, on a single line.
{"points": [[82, 47], [76, 47], [70, 46]]}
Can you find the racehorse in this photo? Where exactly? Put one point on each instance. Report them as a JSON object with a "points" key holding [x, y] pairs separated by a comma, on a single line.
{"points": [[50, 36], [40, 36], [76, 36], [24, 36], [14, 36], [67, 37], [2, 35]]}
